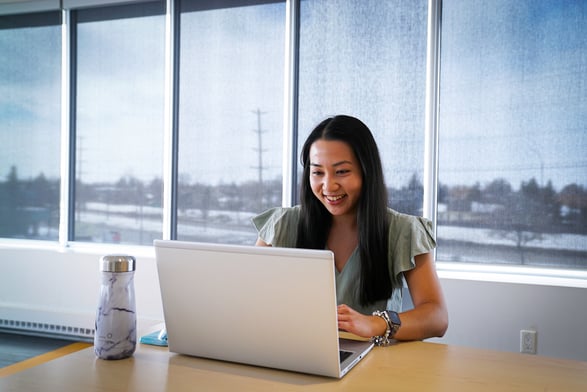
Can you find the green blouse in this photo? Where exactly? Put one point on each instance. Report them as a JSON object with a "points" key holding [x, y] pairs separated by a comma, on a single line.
{"points": [[409, 236]]}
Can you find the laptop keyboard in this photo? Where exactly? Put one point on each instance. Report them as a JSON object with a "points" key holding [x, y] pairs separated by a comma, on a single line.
{"points": [[344, 355]]}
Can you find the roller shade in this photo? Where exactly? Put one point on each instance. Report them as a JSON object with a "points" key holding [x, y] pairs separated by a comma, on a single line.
{"points": [[11, 7]]}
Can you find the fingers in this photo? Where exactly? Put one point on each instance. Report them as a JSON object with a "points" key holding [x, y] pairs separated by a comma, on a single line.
{"points": [[343, 309], [343, 317], [347, 319]]}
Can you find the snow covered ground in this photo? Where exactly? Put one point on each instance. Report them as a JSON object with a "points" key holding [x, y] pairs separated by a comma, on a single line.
{"points": [[234, 226]]}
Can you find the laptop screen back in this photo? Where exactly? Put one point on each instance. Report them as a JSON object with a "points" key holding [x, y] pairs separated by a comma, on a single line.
{"points": [[272, 307]]}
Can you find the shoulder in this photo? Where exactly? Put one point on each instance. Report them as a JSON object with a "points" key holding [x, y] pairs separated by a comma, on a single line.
{"points": [[278, 226], [276, 214], [401, 223], [409, 236]]}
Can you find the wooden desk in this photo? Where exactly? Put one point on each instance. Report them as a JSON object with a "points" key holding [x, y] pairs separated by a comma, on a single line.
{"points": [[414, 366]]}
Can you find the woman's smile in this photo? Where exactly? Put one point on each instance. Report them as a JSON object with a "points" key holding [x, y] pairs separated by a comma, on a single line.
{"points": [[335, 176], [334, 199]]}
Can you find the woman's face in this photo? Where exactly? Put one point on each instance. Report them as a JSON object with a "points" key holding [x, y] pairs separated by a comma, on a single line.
{"points": [[335, 176]]}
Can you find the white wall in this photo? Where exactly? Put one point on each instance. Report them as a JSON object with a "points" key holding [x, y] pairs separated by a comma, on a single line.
{"points": [[491, 314], [61, 286]]}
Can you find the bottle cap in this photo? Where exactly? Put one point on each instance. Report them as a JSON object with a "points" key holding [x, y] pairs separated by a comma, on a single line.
{"points": [[117, 263]]}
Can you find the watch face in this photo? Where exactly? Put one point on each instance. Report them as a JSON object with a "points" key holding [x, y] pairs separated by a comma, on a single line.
{"points": [[394, 317]]}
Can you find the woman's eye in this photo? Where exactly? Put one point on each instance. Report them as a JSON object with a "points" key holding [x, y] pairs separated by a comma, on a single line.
{"points": [[341, 172]]}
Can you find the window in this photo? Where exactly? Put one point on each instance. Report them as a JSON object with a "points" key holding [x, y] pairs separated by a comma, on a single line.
{"points": [[512, 138], [230, 118], [368, 59], [30, 102], [512, 168], [119, 127]]}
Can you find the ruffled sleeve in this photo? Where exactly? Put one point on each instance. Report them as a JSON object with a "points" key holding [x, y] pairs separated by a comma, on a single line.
{"points": [[409, 236], [278, 226]]}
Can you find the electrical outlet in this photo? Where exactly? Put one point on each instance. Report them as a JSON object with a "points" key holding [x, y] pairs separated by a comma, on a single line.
{"points": [[528, 341]]}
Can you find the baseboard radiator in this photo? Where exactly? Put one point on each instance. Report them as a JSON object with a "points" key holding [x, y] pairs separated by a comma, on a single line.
{"points": [[59, 325]]}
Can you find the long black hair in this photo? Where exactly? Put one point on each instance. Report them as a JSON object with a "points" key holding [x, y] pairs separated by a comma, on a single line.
{"points": [[372, 219]]}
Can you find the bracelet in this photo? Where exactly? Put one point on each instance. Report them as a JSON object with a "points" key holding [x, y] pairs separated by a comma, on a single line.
{"points": [[383, 340]]}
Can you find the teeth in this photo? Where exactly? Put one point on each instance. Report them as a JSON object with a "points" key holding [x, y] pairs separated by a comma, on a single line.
{"points": [[334, 198]]}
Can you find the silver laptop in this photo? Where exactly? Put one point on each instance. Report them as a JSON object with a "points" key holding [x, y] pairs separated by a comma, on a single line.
{"points": [[264, 306]]}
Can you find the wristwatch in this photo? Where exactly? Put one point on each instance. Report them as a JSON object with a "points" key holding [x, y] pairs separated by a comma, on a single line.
{"points": [[394, 321]]}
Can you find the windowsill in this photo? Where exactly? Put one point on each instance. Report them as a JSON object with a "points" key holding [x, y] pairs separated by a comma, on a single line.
{"points": [[512, 274], [80, 247]]}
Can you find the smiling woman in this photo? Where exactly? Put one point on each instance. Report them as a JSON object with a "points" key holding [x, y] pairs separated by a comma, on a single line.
{"points": [[335, 176], [344, 209]]}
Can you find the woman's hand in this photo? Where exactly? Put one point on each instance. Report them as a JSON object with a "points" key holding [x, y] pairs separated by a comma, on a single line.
{"points": [[428, 318], [350, 320]]}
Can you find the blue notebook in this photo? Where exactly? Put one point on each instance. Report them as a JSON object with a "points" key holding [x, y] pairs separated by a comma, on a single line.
{"points": [[157, 338]]}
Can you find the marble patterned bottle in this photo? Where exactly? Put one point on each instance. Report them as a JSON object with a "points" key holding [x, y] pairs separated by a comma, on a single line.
{"points": [[116, 322]]}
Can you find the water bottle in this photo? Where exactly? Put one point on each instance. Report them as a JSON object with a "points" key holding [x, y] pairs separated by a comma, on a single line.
{"points": [[116, 322]]}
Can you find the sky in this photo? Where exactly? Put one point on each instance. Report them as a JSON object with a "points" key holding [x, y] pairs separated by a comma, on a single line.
{"points": [[29, 101], [512, 99], [516, 87]]}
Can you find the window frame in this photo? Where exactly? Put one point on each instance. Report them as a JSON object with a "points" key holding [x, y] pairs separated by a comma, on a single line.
{"points": [[460, 270], [72, 15], [31, 15], [554, 275]]}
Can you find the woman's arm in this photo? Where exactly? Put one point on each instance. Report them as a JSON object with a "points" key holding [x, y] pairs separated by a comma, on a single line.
{"points": [[260, 242], [429, 318]]}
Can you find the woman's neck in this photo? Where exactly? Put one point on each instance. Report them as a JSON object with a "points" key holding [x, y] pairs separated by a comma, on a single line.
{"points": [[347, 221], [343, 238]]}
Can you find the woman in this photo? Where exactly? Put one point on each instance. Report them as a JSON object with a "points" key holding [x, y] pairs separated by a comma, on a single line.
{"points": [[344, 208]]}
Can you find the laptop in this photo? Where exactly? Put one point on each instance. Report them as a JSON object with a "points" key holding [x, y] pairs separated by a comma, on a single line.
{"points": [[264, 306]]}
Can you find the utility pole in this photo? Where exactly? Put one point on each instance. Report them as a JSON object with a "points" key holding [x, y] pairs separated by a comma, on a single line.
{"points": [[80, 197], [259, 131]]}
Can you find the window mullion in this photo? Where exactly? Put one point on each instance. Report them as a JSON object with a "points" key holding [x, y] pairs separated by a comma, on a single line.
{"points": [[290, 115], [431, 110], [170, 146]]}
